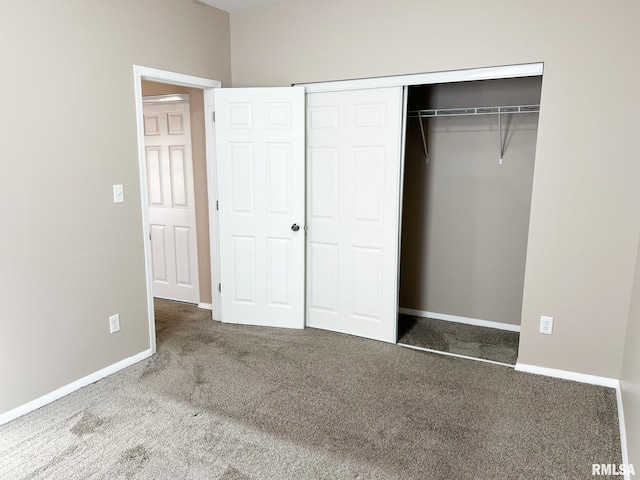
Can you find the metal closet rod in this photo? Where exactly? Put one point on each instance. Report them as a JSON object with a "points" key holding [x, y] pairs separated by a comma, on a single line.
{"points": [[467, 111]]}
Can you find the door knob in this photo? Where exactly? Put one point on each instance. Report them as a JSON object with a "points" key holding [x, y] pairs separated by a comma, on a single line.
{"points": [[295, 227]]}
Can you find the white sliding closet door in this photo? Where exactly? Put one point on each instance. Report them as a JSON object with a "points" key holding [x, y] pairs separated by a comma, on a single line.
{"points": [[354, 141], [260, 163]]}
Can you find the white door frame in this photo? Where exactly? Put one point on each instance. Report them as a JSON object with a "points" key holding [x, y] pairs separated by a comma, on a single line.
{"points": [[485, 73], [207, 85]]}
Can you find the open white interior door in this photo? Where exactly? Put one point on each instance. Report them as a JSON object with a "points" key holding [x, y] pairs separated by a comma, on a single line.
{"points": [[354, 142], [260, 159], [172, 210]]}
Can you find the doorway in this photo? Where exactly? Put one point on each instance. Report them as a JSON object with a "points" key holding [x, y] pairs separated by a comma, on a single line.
{"points": [[469, 162], [206, 86], [177, 209], [351, 89]]}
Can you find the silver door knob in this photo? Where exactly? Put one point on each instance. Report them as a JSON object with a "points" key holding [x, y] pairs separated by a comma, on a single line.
{"points": [[295, 227]]}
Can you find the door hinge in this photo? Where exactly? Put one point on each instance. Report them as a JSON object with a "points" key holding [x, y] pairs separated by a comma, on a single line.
{"points": [[149, 235], [214, 116], [220, 287], [217, 206]]}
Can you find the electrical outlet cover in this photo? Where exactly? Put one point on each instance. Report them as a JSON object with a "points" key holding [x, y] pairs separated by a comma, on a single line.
{"points": [[546, 325], [114, 323]]}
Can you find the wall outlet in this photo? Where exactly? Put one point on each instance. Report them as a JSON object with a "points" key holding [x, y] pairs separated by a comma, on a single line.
{"points": [[546, 325], [114, 323]]}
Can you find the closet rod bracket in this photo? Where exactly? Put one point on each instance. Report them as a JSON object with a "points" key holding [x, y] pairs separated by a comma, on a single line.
{"points": [[501, 142], [424, 140]]}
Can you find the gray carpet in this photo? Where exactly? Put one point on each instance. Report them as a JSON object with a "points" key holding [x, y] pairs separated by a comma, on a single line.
{"points": [[235, 402], [478, 342]]}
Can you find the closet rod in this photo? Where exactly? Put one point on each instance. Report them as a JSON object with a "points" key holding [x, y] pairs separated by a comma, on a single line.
{"points": [[460, 112]]}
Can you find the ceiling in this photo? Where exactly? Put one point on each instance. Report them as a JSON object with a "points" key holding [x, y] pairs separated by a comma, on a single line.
{"points": [[236, 5]]}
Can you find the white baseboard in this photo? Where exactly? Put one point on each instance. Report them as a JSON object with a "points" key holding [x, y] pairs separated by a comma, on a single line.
{"points": [[593, 380], [457, 319], [72, 387], [205, 306], [566, 375], [623, 429]]}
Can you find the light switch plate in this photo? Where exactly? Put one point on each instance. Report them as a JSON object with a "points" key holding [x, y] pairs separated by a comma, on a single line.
{"points": [[118, 194]]}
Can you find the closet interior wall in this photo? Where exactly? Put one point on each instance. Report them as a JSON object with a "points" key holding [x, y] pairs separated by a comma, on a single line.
{"points": [[466, 216]]}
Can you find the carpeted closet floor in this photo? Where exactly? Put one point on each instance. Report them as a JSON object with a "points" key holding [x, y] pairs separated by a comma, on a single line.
{"points": [[460, 339], [234, 402]]}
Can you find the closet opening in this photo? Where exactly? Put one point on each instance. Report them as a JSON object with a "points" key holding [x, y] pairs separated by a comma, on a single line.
{"points": [[468, 176]]}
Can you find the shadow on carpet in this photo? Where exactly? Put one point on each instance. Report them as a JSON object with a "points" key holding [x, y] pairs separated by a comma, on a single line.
{"points": [[450, 337]]}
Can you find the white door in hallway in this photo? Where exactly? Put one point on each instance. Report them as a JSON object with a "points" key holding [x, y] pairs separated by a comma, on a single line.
{"points": [[172, 215], [261, 194], [354, 142]]}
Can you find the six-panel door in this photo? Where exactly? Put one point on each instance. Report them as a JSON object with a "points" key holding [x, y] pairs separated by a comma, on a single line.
{"points": [[172, 214], [260, 164], [353, 179]]}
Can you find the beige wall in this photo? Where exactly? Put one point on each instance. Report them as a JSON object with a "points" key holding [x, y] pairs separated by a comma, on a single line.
{"points": [[465, 216], [196, 109], [69, 257], [630, 378], [584, 225]]}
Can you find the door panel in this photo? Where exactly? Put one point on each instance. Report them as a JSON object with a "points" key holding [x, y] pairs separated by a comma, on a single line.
{"points": [[158, 254], [154, 176], [260, 160], [171, 201], [244, 268], [182, 236], [323, 277], [179, 192], [323, 169], [353, 152]]}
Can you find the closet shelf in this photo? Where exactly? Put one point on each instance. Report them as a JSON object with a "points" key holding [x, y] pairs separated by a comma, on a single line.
{"points": [[459, 112], [462, 112]]}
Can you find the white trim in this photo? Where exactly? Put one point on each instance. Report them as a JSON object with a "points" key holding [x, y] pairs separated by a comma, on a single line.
{"points": [[72, 387], [144, 198], [487, 73], [207, 85], [212, 192], [623, 429], [173, 78], [592, 380], [400, 200], [567, 375], [440, 352], [457, 319], [205, 306]]}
